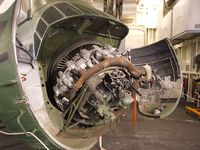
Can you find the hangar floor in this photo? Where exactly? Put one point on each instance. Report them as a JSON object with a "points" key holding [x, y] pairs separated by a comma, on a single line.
{"points": [[180, 131]]}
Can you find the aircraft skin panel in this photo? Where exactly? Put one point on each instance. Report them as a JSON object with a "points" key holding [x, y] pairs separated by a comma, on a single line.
{"points": [[68, 10], [162, 59], [14, 110]]}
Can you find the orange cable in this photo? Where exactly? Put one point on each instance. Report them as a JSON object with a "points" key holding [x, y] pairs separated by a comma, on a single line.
{"points": [[134, 112]]}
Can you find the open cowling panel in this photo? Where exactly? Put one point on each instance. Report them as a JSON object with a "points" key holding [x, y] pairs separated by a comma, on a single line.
{"points": [[162, 95]]}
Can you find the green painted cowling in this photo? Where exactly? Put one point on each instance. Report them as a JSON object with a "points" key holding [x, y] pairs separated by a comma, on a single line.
{"points": [[16, 110]]}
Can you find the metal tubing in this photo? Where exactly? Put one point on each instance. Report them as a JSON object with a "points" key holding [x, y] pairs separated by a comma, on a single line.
{"points": [[108, 62]]}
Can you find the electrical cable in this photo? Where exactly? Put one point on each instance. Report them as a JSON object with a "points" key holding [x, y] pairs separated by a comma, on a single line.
{"points": [[22, 133]]}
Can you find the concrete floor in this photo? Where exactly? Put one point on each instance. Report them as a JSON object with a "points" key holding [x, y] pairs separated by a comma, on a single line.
{"points": [[180, 131]]}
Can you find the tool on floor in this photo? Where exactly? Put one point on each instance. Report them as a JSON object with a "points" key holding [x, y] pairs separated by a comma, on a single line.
{"points": [[195, 111]]}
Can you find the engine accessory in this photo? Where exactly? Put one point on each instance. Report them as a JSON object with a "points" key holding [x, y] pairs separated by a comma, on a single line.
{"points": [[93, 83]]}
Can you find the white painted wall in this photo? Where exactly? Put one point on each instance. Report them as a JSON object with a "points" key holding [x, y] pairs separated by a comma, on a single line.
{"points": [[135, 38]]}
